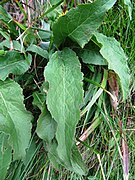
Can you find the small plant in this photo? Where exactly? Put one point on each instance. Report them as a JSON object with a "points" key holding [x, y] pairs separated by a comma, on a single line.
{"points": [[59, 66]]}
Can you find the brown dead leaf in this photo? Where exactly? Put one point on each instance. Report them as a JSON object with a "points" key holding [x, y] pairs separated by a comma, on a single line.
{"points": [[113, 88]]}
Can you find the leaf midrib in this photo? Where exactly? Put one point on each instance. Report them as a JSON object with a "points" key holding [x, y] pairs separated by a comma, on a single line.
{"points": [[3, 67], [88, 17]]}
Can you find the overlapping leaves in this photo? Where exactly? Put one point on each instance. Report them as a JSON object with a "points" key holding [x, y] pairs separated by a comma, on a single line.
{"points": [[117, 60], [64, 97], [61, 111], [79, 23]]}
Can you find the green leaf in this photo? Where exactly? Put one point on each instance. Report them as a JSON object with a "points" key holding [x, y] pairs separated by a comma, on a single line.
{"points": [[78, 24], [92, 88], [38, 50], [5, 35], [4, 15], [77, 163], [64, 97], [117, 60], [44, 33], [2, 52], [14, 62], [20, 25], [16, 45], [46, 126], [5, 155], [7, 22], [95, 96], [31, 151], [90, 55], [39, 99], [53, 155], [46, 129], [15, 121], [130, 7]]}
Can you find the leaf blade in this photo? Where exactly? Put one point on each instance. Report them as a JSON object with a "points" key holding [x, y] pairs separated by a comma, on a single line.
{"points": [[46, 126], [130, 8], [13, 62], [117, 60], [90, 55], [38, 50], [65, 92], [14, 119], [5, 155], [79, 24]]}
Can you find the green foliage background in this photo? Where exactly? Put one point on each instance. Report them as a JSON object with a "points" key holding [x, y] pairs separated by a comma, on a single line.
{"points": [[56, 117]]}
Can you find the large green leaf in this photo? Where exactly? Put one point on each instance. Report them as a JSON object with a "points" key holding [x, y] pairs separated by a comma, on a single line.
{"points": [[14, 62], [64, 97], [79, 23], [46, 129], [117, 60], [46, 126], [15, 121], [5, 155]]}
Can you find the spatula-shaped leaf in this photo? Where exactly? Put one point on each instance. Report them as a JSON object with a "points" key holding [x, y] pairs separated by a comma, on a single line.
{"points": [[5, 155], [64, 97], [117, 60], [14, 119], [79, 23], [14, 62]]}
